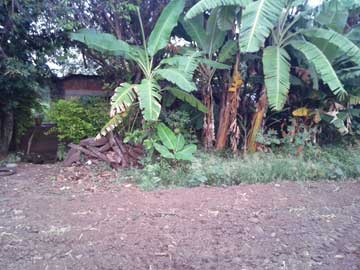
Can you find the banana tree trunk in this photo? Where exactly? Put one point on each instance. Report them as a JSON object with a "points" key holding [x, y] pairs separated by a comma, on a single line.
{"points": [[228, 114], [209, 121], [6, 132], [257, 121]]}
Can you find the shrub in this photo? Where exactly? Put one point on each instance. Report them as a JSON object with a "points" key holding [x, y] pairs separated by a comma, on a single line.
{"points": [[78, 119]]}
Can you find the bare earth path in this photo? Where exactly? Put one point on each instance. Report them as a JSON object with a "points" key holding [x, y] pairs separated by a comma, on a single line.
{"points": [[47, 224]]}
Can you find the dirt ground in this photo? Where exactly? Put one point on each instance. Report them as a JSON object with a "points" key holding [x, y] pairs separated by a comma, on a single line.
{"points": [[49, 220]]}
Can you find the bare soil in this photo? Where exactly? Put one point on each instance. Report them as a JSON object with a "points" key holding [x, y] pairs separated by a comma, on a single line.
{"points": [[52, 218]]}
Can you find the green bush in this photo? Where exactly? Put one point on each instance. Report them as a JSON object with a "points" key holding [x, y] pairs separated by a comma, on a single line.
{"points": [[78, 119], [335, 163]]}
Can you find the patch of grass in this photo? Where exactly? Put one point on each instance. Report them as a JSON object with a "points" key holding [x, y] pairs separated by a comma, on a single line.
{"points": [[335, 163]]}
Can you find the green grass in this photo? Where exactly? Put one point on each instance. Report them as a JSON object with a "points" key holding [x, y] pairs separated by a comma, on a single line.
{"points": [[334, 163]]}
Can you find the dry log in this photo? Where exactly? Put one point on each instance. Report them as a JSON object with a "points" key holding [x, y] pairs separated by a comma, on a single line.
{"points": [[110, 149], [93, 142]]}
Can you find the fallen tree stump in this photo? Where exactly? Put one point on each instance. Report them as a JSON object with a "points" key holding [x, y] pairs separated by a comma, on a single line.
{"points": [[109, 149]]}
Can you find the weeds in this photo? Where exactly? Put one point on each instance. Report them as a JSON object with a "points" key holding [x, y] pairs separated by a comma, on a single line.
{"points": [[334, 163]]}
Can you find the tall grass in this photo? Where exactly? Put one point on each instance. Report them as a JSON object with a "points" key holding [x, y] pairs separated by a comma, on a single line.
{"points": [[335, 163]]}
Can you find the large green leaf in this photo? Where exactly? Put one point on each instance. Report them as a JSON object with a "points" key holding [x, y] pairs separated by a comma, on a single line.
{"points": [[188, 98], [349, 73], [122, 99], [228, 51], [180, 142], [195, 29], [164, 152], [177, 77], [277, 76], [227, 16], [216, 37], [149, 97], [102, 42], [168, 19], [204, 5], [167, 137], [258, 20], [341, 42], [187, 63], [186, 153], [322, 65], [333, 15]]}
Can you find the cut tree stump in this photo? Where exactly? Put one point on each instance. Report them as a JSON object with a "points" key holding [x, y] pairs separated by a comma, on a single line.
{"points": [[109, 149]]}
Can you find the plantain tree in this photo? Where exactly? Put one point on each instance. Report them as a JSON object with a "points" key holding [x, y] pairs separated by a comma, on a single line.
{"points": [[273, 29], [210, 36], [148, 93]]}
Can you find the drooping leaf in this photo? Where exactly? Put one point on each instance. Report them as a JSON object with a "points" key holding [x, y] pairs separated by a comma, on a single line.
{"points": [[177, 77], [333, 15], [164, 152], [258, 19], [321, 64], [149, 98], [110, 126], [227, 16], [204, 5], [167, 137], [213, 64], [187, 63], [122, 99], [102, 42], [188, 98], [341, 42], [277, 76], [228, 51], [195, 29], [168, 19], [354, 34], [186, 153]]}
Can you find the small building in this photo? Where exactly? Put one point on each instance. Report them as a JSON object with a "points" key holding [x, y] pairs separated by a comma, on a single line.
{"points": [[78, 86]]}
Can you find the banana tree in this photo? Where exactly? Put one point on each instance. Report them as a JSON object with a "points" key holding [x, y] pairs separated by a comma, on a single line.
{"points": [[273, 22], [211, 37], [148, 93]]}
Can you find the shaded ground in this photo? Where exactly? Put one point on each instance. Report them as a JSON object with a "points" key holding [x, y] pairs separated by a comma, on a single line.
{"points": [[49, 222]]}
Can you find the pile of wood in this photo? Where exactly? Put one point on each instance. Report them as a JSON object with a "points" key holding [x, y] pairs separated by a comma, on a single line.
{"points": [[110, 149]]}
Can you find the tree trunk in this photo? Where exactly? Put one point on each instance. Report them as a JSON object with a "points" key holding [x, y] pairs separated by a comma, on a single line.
{"points": [[257, 121], [228, 113], [6, 131], [209, 121]]}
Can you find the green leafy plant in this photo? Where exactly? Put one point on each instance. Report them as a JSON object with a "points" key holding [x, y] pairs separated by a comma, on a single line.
{"points": [[76, 120], [173, 146], [148, 92]]}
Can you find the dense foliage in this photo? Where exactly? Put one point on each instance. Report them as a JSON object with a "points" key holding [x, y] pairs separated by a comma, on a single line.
{"points": [[78, 119], [244, 75]]}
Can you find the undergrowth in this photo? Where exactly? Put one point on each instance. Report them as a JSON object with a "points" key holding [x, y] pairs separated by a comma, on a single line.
{"points": [[334, 163]]}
